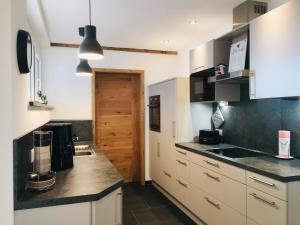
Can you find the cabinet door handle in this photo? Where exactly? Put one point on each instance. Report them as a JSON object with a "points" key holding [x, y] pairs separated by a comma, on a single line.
{"points": [[216, 205], [262, 182], [212, 164], [182, 163], [158, 149], [182, 184], [271, 203], [173, 129], [212, 177], [182, 153], [252, 83], [167, 174]]}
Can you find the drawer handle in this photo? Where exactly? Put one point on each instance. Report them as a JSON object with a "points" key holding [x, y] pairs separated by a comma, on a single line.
{"points": [[212, 177], [167, 174], [182, 163], [182, 184], [262, 182], [212, 164], [216, 205], [273, 204], [182, 153]]}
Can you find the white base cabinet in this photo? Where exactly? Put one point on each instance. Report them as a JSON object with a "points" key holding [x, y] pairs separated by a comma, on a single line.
{"points": [[106, 211]]}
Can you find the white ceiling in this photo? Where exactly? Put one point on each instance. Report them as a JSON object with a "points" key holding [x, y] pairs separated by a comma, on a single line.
{"points": [[138, 23]]}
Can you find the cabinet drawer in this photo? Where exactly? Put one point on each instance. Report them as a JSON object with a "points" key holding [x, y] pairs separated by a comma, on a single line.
{"points": [[219, 167], [215, 184], [267, 185], [212, 211], [167, 181], [182, 191], [265, 209], [181, 153], [182, 168]]}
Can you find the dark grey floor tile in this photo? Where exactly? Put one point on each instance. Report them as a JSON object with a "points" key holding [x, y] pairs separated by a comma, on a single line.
{"points": [[129, 219]]}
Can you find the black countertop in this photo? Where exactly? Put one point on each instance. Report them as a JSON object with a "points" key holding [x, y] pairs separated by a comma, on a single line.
{"points": [[281, 170], [91, 178]]}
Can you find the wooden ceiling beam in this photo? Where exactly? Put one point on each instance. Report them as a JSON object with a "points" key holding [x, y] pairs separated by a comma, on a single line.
{"points": [[138, 50]]}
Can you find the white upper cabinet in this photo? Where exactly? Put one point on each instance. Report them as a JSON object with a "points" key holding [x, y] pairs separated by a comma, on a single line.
{"points": [[202, 57], [275, 53]]}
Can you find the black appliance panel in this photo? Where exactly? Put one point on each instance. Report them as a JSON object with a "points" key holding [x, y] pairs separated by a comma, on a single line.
{"points": [[154, 113], [200, 89]]}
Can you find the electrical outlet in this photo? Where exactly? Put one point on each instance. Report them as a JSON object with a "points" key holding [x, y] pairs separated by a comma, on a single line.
{"points": [[32, 155]]}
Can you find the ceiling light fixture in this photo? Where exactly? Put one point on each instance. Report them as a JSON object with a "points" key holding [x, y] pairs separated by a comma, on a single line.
{"points": [[193, 22], [84, 69], [90, 49]]}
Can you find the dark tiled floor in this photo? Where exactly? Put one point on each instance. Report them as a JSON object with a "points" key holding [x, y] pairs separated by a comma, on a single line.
{"points": [[147, 206]]}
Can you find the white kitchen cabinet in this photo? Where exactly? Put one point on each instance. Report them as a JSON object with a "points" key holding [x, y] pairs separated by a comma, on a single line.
{"points": [[107, 210], [266, 209], [176, 126], [275, 53], [73, 214], [209, 55], [212, 211], [202, 57]]}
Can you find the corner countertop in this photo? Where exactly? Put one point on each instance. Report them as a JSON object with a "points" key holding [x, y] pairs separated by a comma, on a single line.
{"points": [[269, 166], [91, 178]]}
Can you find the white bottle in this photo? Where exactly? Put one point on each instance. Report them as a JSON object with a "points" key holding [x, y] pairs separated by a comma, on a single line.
{"points": [[284, 143]]}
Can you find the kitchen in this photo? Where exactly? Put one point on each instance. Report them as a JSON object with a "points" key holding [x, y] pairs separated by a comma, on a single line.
{"points": [[171, 96]]}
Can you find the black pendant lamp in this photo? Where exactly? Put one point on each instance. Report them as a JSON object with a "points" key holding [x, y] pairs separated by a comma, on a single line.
{"points": [[90, 49], [84, 69]]}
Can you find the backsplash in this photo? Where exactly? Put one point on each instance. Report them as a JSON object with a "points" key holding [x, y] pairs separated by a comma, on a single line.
{"points": [[255, 124], [80, 128]]}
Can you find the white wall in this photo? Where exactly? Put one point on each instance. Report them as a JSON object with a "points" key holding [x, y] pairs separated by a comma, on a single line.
{"points": [[23, 119], [6, 151], [275, 3], [71, 95]]}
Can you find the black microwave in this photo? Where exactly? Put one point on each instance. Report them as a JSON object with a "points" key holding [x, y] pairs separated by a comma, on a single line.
{"points": [[200, 89]]}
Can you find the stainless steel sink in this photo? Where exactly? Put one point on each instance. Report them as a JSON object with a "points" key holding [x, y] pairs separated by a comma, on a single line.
{"points": [[84, 150], [237, 152]]}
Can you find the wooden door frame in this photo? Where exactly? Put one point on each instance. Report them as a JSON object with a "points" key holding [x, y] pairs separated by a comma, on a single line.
{"points": [[140, 74]]}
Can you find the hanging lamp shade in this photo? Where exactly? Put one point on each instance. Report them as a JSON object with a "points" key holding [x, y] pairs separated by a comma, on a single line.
{"points": [[90, 49], [84, 69]]}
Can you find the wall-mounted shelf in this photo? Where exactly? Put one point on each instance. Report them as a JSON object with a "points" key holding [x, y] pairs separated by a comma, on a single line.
{"points": [[33, 105]]}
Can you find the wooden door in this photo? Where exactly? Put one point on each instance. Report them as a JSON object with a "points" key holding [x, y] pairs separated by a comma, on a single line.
{"points": [[117, 123]]}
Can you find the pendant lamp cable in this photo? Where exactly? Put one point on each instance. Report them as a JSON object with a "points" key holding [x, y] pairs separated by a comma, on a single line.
{"points": [[90, 12]]}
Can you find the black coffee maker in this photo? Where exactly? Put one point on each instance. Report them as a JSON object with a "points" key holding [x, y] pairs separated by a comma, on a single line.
{"points": [[62, 145]]}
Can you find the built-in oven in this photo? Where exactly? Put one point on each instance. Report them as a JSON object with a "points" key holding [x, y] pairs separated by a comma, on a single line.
{"points": [[200, 89], [154, 113]]}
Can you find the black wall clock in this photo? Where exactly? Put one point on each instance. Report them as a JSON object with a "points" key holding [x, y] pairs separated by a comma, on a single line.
{"points": [[24, 51]]}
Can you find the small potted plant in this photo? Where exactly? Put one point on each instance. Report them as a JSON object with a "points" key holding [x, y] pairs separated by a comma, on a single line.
{"points": [[42, 97]]}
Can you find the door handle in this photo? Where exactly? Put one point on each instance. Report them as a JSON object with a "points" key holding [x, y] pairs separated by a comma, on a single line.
{"points": [[158, 149], [216, 205], [212, 177], [262, 182], [182, 163], [273, 204], [173, 129]]}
